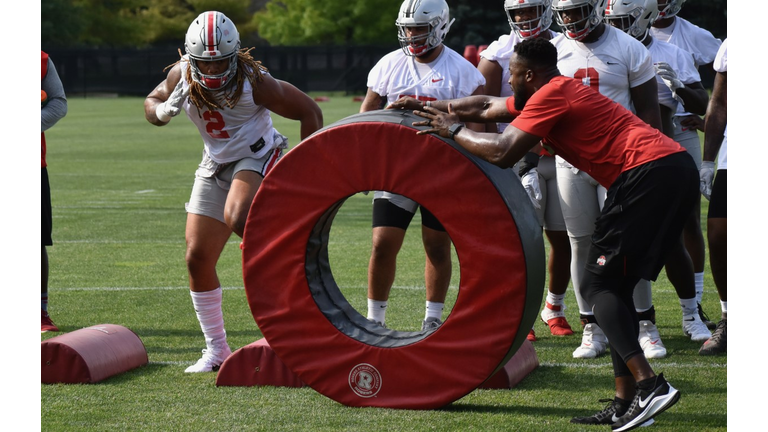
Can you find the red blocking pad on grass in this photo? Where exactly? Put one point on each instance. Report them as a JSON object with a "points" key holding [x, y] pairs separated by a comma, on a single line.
{"points": [[518, 367], [91, 354], [311, 326], [256, 364]]}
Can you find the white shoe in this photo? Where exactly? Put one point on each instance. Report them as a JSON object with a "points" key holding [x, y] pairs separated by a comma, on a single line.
{"points": [[210, 361], [593, 342], [695, 328], [650, 341]]}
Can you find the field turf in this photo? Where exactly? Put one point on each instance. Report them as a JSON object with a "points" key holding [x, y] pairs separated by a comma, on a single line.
{"points": [[119, 186]]}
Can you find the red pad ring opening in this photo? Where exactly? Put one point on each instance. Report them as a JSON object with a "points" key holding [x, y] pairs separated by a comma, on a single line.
{"points": [[300, 309]]}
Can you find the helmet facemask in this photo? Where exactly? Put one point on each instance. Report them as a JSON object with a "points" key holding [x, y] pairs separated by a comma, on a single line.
{"points": [[529, 28], [591, 16], [669, 8], [216, 81], [633, 17]]}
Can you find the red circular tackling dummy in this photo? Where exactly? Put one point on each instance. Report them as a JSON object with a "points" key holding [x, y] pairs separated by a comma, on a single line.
{"points": [[308, 322]]}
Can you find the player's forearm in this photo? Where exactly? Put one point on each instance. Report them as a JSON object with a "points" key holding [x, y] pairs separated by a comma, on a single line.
{"points": [[714, 129], [477, 109], [150, 111], [694, 100]]}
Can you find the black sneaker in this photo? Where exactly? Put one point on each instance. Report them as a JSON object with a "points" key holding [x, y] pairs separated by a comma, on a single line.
{"points": [[705, 319], [647, 405], [608, 416], [717, 344]]}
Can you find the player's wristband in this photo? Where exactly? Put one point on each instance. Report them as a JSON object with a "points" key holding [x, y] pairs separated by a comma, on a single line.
{"points": [[529, 162], [161, 115]]}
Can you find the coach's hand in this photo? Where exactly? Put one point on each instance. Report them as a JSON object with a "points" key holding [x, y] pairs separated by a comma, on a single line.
{"points": [[437, 121], [171, 107], [706, 176], [530, 182]]}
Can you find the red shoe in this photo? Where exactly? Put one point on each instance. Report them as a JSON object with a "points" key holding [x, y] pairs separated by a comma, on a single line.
{"points": [[46, 323], [554, 317], [531, 336]]}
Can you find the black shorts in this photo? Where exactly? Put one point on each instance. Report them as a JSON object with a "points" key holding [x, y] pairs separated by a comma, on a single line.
{"points": [[718, 200], [46, 218], [386, 214], [643, 217]]}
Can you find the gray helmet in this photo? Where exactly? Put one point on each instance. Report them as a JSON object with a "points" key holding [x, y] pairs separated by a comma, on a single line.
{"points": [[212, 36], [422, 13]]}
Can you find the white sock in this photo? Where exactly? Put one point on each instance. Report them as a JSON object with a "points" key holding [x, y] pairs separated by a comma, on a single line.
{"points": [[555, 299], [434, 310], [724, 307], [690, 306], [208, 310], [377, 310], [698, 279]]}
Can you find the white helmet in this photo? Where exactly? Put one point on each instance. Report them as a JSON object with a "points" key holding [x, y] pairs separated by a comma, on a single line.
{"points": [[670, 8], [422, 13], [592, 15], [634, 17], [212, 36], [531, 28]]}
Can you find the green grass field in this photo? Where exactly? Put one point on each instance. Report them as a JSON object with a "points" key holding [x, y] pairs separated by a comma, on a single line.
{"points": [[119, 186]]}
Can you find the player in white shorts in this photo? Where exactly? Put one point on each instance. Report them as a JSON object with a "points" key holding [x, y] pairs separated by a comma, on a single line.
{"points": [[425, 69], [678, 82], [229, 97], [703, 46], [531, 19]]}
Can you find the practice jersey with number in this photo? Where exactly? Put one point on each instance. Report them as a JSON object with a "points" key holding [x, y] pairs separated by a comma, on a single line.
{"points": [[500, 51], [449, 76], [589, 130], [721, 65], [611, 65], [231, 134], [680, 61]]}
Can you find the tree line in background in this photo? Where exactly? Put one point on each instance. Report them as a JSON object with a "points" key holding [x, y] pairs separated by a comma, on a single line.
{"points": [[143, 23]]}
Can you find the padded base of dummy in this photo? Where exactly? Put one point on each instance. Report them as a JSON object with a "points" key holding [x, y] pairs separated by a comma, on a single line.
{"points": [[518, 367], [256, 364], [91, 354]]}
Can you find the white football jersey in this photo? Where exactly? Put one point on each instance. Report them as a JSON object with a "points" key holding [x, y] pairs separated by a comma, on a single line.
{"points": [[500, 51], [721, 65], [680, 61], [611, 65], [231, 134], [690, 37], [449, 76]]}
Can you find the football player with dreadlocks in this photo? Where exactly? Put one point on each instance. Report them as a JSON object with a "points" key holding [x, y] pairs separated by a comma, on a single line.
{"points": [[229, 97], [531, 19], [426, 69]]}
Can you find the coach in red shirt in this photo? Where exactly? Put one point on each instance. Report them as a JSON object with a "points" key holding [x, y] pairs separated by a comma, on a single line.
{"points": [[652, 187]]}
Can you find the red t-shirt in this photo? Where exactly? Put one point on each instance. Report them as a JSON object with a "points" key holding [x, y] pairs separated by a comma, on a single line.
{"points": [[589, 130]]}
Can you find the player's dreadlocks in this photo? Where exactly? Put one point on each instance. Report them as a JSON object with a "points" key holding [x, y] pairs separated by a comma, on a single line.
{"points": [[247, 69]]}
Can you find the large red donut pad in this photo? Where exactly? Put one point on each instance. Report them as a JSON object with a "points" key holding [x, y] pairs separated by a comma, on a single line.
{"points": [[306, 320]]}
